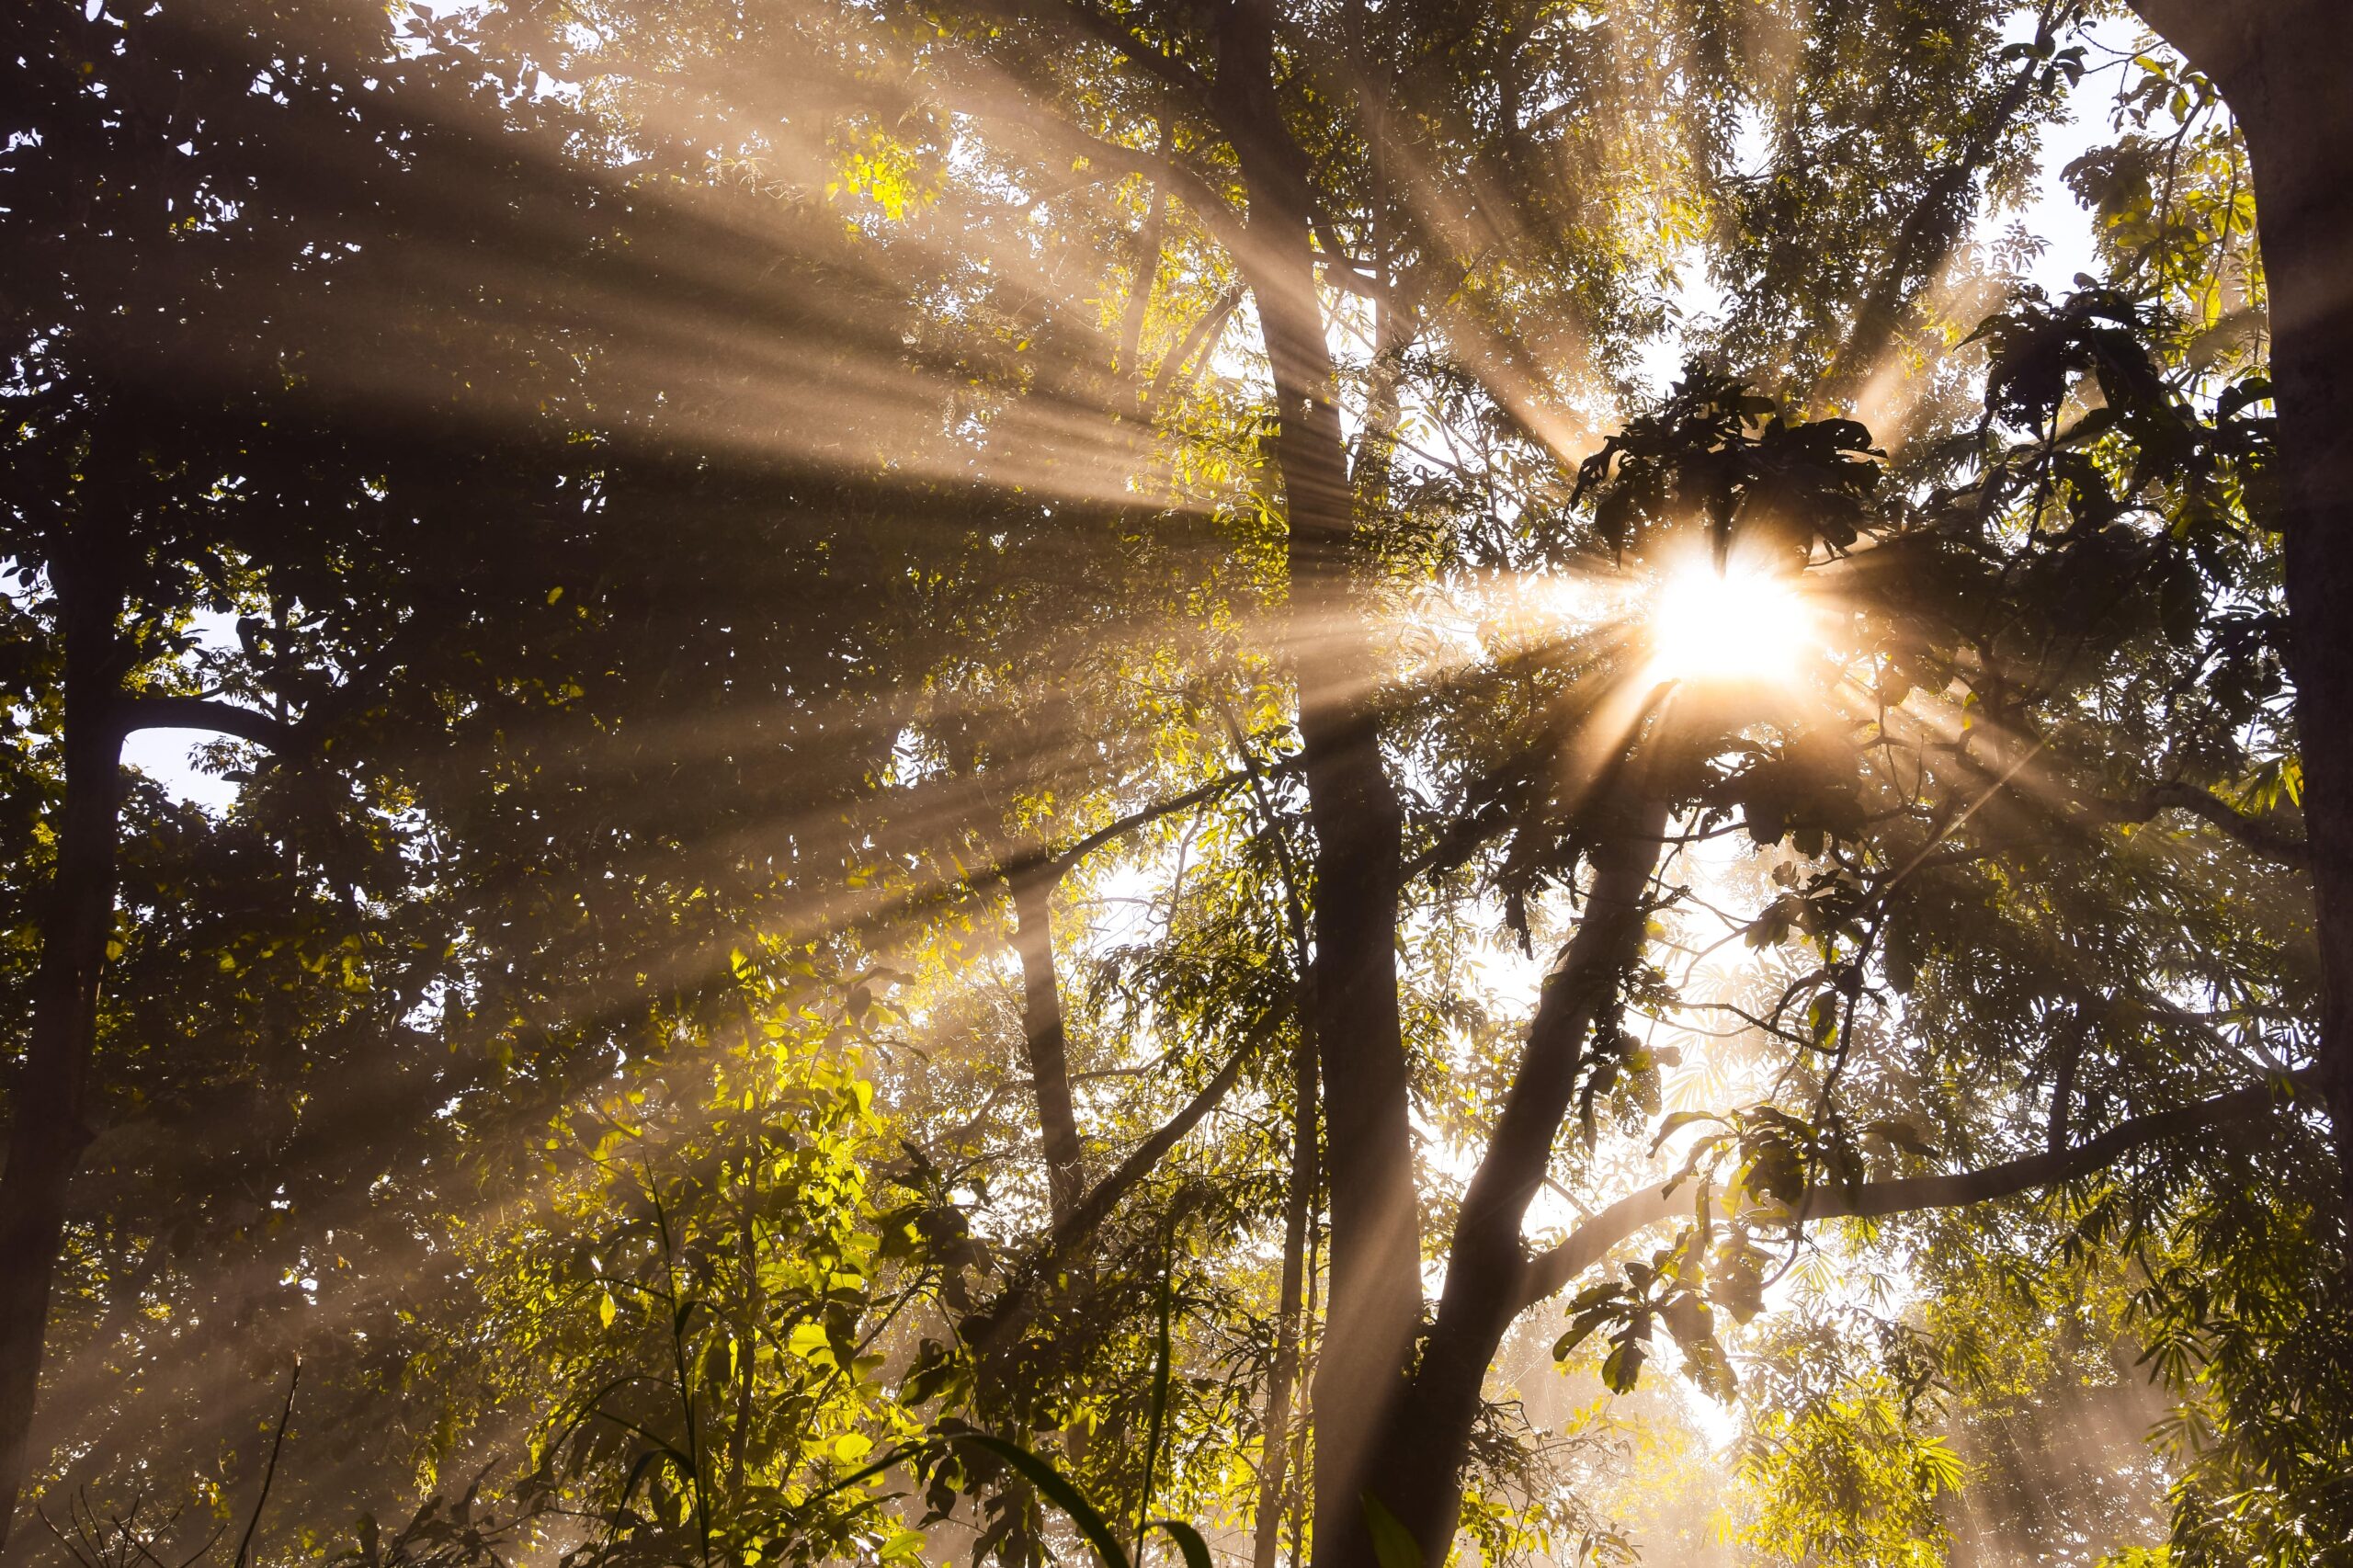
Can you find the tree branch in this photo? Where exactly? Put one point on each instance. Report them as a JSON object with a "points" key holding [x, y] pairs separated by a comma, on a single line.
{"points": [[1212, 321], [152, 712], [1010, 1311], [1345, 271], [1911, 1194], [1039, 856], [1550, 1271], [1105, 1195], [1217, 215], [1062, 860], [2251, 831], [1175, 73], [269, 1471]]}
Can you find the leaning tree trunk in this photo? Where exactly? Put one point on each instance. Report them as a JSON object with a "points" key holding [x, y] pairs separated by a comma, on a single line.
{"points": [[1375, 1295], [49, 1130], [1416, 1467], [2281, 67]]}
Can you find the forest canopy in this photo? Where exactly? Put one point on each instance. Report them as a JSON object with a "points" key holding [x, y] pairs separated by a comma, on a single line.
{"points": [[1273, 782]]}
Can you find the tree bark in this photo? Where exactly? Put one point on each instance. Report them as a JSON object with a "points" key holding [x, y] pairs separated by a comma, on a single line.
{"points": [[50, 1126], [1043, 1038], [1417, 1468], [2281, 69], [1375, 1298]]}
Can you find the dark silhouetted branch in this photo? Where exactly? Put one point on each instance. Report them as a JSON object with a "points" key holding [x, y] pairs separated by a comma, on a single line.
{"points": [[206, 714], [1006, 1315], [2251, 831], [1637, 1211], [269, 1471]]}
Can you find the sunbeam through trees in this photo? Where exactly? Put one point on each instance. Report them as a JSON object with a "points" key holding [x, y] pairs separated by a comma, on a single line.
{"points": [[1269, 783]]}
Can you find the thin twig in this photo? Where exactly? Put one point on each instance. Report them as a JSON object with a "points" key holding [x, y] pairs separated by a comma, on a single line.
{"points": [[269, 1471]]}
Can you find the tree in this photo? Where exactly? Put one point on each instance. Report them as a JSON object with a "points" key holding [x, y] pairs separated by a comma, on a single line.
{"points": [[131, 516], [1353, 808], [2271, 72], [897, 532]]}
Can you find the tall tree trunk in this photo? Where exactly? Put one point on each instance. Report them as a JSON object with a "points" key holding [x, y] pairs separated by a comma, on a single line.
{"points": [[1418, 1466], [1042, 1035], [1375, 1299], [1298, 1216], [2305, 207], [48, 1128], [1376, 1241], [2281, 67]]}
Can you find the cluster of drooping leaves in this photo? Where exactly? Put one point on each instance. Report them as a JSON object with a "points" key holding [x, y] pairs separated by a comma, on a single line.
{"points": [[1847, 1476], [2173, 199], [1616, 1062], [1718, 456], [1748, 1176], [1672, 1288]]}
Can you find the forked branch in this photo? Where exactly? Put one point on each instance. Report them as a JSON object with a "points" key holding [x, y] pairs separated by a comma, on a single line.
{"points": [[1010, 1309]]}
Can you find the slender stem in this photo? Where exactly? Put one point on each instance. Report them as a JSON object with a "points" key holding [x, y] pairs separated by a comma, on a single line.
{"points": [[1275, 1438], [269, 1471]]}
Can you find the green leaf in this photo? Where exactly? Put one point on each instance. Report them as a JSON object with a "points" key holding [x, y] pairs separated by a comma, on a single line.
{"points": [[1940, 1467], [1392, 1543], [1057, 1490], [1620, 1372], [1190, 1544], [1581, 1328], [1688, 1318], [1677, 1123]]}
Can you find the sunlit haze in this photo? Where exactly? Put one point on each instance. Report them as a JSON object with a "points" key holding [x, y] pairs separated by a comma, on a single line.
{"points": [[860, 782]]}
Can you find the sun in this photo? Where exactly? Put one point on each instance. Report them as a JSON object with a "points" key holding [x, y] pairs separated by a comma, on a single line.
{"points": [[1739, 624]]}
